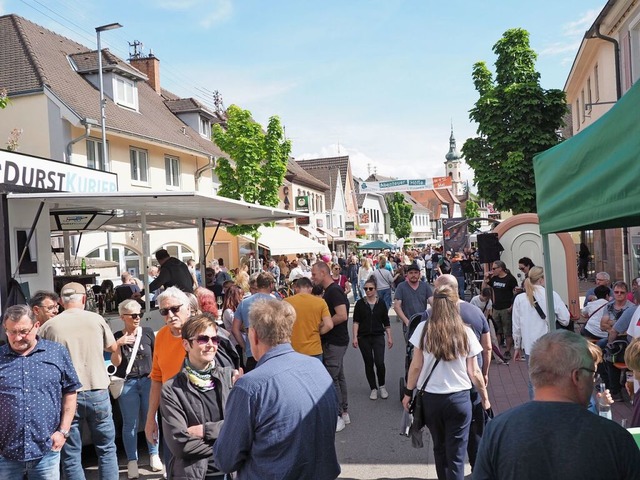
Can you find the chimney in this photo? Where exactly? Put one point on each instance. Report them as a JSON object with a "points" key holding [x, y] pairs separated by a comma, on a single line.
{"points": [[150, 66]]}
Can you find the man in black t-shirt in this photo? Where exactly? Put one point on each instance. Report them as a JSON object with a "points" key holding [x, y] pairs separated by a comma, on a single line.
{"points": [[336, 341], [502, 283]]}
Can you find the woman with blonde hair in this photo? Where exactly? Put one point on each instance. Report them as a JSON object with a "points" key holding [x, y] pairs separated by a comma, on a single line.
{"points": [[242, 280], [530, 318], [364, 272], [445, 366]]}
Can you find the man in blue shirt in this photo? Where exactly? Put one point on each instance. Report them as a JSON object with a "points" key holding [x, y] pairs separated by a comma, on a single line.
{"points": [[38, 387], [280, 418], [264, 285]]}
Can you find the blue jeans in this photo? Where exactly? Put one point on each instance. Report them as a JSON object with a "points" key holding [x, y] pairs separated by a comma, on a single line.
{"points": [[45, 468], [385, 296], [357, 293], [94, 407], [134, 403], [529, 385]]}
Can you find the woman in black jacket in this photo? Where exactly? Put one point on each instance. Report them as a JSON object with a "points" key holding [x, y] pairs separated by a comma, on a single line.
{"points": [[193, 403], [370, 322]]}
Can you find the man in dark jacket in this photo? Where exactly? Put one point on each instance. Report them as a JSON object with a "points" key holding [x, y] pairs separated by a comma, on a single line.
{"points": [[173, 273], [193, 402]]}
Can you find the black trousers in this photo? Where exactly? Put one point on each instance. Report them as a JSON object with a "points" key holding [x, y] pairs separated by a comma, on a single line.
{"points": [[477, 427], [372, 349]]}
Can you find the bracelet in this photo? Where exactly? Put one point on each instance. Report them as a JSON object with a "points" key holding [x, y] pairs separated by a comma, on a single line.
{"points": [[408, 392]]}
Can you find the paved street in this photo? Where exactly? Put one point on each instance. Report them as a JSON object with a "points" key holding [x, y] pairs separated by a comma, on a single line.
{"points": [[371, 447]]}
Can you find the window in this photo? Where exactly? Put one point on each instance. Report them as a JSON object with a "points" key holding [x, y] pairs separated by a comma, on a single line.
{"points": [[172, 171], [596, 83], [205, 128], [126, 93], [139, 165], [589, 99], [94, 155]]}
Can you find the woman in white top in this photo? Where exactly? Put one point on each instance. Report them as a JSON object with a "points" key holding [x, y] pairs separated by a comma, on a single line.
{"points": [[384, 280], [528, 325], [447, 404], [364, 272]]}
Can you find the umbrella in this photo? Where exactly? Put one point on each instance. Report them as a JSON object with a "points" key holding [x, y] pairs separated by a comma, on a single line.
{"points": [[377, 245]]}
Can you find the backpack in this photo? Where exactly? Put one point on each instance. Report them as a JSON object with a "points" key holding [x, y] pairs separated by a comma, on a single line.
{"points": [[445, 265]]}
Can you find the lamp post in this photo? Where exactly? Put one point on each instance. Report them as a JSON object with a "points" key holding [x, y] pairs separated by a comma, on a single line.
{"points": [[103, 116]]}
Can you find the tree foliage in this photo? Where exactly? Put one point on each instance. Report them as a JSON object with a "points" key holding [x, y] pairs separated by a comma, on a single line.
{"points": [[516, 119], [472, 210], [400, 215], [258, 161]]}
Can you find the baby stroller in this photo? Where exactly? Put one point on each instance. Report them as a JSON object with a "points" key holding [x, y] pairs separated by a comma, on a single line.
{"points": [[414, 321]]}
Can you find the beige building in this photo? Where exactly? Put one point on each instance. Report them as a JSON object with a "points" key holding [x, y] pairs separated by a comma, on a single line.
{"points": [[606, 65]]}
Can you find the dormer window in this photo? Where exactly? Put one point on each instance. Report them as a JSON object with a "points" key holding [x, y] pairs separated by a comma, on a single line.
{"points": [[205, 128], [126, 92]]}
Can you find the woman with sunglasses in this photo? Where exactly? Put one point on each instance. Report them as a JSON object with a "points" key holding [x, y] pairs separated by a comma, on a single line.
{"points": [[370, 323], [193, 402], [340, 279], [134, 400]]}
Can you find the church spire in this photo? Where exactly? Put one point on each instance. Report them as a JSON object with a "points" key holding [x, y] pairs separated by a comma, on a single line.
{"points": [[453, 154]]}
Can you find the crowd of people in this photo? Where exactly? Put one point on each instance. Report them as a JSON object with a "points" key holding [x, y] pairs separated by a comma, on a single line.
{"points": [[212, 385]]}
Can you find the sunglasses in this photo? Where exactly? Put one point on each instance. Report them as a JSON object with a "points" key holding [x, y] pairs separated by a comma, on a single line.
{"points": [[133, 315], [165, 311], [205, 339], [619, 292], [368, 289]]}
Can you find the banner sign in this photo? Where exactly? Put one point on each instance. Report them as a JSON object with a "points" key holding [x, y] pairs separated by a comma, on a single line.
{"points": [[455, 234], [390, 186], [302, 204], [50, 175], [349, 226]]}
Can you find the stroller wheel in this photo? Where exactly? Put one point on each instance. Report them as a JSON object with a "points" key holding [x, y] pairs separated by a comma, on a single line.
{"points": [[403, 384]]}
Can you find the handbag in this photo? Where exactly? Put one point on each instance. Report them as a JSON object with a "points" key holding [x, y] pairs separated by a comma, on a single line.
{"points": [[415, 409], [116, 384]]}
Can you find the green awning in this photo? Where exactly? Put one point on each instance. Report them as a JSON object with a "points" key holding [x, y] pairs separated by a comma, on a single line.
{"points": [[592, 180]]}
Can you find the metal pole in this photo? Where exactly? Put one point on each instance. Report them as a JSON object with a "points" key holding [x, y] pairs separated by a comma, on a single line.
{"points": [[548, 282], [103, 115]]}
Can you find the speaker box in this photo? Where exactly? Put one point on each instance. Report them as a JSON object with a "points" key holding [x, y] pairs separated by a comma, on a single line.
{"points": [[489, 247]]}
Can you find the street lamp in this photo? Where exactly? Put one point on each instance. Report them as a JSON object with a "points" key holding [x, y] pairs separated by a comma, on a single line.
{"points": [[103, 116]]}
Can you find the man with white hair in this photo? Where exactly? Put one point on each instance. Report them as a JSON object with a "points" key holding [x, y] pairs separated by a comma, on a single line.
{"points": [[86, 335]]}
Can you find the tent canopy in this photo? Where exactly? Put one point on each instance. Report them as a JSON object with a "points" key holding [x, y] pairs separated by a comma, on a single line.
{"points": [[590, 181], [377, 245], [284, 241]]}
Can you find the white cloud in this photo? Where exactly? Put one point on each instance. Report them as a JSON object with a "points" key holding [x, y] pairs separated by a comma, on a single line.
{"points": [[2, 7], [578, 27], [573, 33], [209, 12], [222, 11]]}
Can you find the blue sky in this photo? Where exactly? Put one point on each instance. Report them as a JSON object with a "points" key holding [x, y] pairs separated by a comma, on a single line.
{"points": [[378, 80]]}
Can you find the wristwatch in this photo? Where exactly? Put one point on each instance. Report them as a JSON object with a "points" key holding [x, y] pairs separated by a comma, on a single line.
{"points": [[65, 433], [408, 392]]}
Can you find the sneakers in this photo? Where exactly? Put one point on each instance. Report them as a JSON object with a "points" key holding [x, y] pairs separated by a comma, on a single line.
{"points": [[383, 393], [340, 425], [346, 418], [374, 394], [155, 463], [132, 469]]}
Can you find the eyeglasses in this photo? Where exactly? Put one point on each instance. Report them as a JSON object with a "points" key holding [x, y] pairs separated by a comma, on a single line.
{"points": [[336, 269], [205, 339], [22, 333], [619, 292], [495, 268], [133, 315], [601, 279], [50, 308], [591, 371], [165, 311], [368, 289]]}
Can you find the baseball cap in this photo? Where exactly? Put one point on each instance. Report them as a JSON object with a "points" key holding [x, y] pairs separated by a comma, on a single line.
{"points": [[413, 266], [73, 288]]}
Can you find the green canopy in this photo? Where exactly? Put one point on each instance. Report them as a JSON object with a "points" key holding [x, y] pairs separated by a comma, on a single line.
{"points": [[592, 180], [377, 245]]}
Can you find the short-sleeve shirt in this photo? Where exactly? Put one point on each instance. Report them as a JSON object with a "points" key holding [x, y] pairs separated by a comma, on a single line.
{"points": [[86, 335], [31, 390], [413, 301], [242, 313], [168, 356], [339, 334], [448, 376], [503, 291], [483, 306], [305, 337]]}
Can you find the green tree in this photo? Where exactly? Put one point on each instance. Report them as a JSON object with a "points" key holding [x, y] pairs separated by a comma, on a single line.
{"points": [[258, 161], [472, 210], [516, 119], [400, 215]]}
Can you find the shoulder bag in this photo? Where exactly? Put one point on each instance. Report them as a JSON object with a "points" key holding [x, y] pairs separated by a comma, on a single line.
{"points": [[415, 409], [116, 384]]}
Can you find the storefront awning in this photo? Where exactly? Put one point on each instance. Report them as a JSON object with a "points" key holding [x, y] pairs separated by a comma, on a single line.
{"points": [[331, 233], [312, 231], [284, 241], [163, 210]]}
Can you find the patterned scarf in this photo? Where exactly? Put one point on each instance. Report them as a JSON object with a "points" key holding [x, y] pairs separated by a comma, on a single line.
{"points": [[201, 379]]}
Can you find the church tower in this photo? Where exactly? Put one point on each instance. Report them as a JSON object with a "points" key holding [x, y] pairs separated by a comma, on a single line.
{"points": [[453, 166]]}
